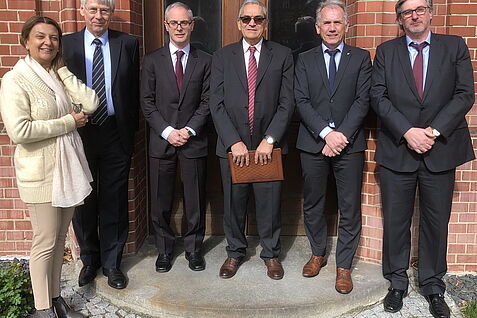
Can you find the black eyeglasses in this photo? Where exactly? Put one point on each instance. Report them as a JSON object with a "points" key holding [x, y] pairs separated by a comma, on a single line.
{"points": [[419, 11], [174, 24], [258, 19]]}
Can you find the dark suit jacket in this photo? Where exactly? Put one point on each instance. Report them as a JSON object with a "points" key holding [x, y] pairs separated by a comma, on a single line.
{"points": [[163, 105], [448, 96], [346, 104], [124, 51], [274, 102]]}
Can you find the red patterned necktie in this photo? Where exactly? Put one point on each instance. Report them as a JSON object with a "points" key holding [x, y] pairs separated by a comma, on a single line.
{"points": [[417, 68], [179, 70], [252, 83]]}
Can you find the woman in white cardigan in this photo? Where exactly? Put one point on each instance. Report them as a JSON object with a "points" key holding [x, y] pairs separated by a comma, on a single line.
{"points": [[42, 103]]}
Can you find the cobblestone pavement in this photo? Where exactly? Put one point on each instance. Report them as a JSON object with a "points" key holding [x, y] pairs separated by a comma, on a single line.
{"points": [[414, 306], [85, 300], [94, 306]]}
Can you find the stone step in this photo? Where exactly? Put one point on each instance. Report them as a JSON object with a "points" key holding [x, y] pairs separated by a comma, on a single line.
{"points": [[250, 293]]}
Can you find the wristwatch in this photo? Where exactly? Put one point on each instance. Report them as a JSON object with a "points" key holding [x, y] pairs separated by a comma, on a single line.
{"points": [[269, 139], [436, 132], [190, 133]]}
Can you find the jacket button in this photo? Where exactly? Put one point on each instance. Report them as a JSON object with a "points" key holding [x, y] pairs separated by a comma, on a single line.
{"points": [[332, 100]]}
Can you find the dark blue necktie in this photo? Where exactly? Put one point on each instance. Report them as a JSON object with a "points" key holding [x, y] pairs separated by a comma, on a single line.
{"points": [[101, 114], [332, 67]]}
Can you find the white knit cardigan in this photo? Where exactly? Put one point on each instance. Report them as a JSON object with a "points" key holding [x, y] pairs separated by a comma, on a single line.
{"points": [[30, 114]]}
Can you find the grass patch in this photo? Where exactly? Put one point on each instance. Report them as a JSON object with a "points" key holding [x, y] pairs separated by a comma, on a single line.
{"points": [[470, 310], [16, 297]]}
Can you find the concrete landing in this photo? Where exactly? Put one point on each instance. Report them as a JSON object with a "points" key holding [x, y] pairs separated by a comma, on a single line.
{"points": [[250, 293]]}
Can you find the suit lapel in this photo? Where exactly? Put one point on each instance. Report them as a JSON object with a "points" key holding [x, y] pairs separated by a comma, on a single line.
{"points": [[403, 54], [239, 63], [190, 66], [264, 61], [344, 60], [115, 48], [320, 62], [169, 71], [79, 64], [433, 65]]}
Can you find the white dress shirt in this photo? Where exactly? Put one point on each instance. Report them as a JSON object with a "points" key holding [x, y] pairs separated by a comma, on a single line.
{"points": [[246, 52]]}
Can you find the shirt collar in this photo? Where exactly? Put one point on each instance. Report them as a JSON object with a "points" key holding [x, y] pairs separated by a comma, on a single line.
{"points": [[173, 49], [90, 37], [340, 47], [428, 40], [258, 46]]}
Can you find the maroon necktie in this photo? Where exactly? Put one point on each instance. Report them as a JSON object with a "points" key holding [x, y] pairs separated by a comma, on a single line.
{"points": [[252, 83], [417, 68], [179, 70]]}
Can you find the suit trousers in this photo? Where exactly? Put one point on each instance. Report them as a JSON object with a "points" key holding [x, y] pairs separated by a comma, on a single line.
{"points": [[49, 225], [398, 191], [162, 174], [267, 210], [106, 208], [348, 172]]}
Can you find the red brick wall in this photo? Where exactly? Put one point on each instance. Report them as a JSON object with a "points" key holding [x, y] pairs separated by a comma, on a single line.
{"points": [[373, 22], [15, 228]]}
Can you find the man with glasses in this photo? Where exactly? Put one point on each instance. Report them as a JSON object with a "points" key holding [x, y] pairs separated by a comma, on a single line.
{"points": [[332, 98], [174, 99], [107, 61], [422, 88], [251, 103]]}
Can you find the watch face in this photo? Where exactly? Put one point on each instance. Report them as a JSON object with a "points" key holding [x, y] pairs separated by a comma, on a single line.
{"points": [[270, 140]]}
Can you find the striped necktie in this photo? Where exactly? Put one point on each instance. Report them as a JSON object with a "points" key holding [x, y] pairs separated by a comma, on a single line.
{"points": [[252, 83], [101, 114]]}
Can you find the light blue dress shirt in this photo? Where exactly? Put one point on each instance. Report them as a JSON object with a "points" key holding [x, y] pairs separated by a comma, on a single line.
{"points": [[327, 57], [89, 48], [425, 56]]}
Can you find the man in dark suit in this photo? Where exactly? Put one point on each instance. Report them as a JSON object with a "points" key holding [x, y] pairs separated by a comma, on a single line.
{"points": [[251, 103], [332, 98], [108, 61], [174, 99], [422, 87]]}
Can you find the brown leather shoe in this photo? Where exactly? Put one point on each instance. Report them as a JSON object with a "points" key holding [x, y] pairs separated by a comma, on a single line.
{"points": [[274, 268], [229, 268], [313, 266], [344, 284]]}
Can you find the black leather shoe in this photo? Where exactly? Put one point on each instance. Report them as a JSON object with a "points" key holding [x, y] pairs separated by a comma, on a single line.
{"points": [[163, 263], [116, 278], [87, 275], [196, 261], [437, 306], [63, 310], [393, 300]]}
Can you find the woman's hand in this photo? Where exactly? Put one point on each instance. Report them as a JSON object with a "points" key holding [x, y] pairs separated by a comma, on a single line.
{"points": [[80, 118]]}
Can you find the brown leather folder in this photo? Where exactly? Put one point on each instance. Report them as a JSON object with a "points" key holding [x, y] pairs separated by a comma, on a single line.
{"points": [[272, 171]]}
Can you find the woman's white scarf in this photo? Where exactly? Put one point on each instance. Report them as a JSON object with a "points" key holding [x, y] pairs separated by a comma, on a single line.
{"points": [[71, 175]]}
